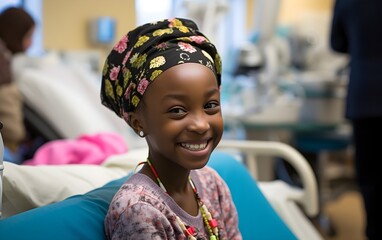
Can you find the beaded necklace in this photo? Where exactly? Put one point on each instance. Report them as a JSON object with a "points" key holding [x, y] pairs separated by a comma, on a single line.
{"points": [[189, 231]]}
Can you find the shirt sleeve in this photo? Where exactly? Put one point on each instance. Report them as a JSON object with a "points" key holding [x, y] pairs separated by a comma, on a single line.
{"points": [[142, 221]]}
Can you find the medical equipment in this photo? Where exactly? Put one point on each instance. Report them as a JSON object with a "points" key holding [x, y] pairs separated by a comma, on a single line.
{"points": [[207, 14]]}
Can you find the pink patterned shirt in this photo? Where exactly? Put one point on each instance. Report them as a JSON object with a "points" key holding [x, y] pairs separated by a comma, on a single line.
{"points": [[141, 210]]}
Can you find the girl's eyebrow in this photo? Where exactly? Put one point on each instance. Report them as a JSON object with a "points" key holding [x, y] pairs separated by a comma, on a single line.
{"points": [[181, 96], [173, 95]]}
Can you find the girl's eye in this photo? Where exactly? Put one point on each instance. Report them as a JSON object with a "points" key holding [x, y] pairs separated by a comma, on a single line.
{"points": [[212, 105], [177, 110]]}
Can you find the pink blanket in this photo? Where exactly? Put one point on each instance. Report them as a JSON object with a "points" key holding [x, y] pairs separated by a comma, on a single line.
{"points": [[86, 149]]}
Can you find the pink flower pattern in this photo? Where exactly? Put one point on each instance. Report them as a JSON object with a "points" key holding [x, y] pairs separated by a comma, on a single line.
{"points": [[198, 39], [114, 73], [127, 56], [121, 45], [142, 86], [171, 22], [128, 91], [186, 47]]}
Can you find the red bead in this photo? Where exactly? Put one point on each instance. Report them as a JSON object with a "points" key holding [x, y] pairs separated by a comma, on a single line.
{"points": [[191, 230], [213, 223]]}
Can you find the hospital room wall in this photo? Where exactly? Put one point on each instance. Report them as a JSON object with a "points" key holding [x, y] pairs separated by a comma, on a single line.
{"points": [[292, 11], [65, 25], [66, 22]]}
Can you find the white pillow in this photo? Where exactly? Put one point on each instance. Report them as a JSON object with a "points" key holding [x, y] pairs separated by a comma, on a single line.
{"points": [[63, 93], [27, 187]]}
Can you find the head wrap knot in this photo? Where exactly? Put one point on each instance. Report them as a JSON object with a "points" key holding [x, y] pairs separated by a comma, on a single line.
{"points": [[147, 51]]}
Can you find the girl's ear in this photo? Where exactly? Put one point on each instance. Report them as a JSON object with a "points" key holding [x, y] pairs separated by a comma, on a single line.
{"points": [[135, 122]]}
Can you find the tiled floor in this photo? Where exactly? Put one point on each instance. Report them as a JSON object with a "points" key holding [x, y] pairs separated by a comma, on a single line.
{"points": [[347, 216], [344, 209]]}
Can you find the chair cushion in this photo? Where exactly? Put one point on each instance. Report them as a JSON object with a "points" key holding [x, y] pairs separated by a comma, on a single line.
{"points": [[82, 216]]}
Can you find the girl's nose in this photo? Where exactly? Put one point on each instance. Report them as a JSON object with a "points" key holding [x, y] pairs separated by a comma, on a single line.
{"points": [[199, 123]]}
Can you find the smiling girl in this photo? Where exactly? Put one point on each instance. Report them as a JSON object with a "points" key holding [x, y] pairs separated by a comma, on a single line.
{"points": [[164, 78]]}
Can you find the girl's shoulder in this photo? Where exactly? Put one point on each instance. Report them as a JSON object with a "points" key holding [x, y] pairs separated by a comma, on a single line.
{"points": [[137, 189]]}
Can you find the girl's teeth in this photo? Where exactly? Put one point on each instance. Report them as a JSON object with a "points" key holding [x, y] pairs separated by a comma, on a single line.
{"points": [[194, 147]]}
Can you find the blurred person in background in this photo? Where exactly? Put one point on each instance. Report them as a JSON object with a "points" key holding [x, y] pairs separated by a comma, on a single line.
{"points": [[16, 31], [356, 31]]}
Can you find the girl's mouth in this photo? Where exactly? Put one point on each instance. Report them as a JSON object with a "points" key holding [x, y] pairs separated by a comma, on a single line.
{"points": [[194, 147]]}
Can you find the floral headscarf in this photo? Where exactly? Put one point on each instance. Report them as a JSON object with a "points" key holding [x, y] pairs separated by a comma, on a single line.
{"points": [[147, 51]]}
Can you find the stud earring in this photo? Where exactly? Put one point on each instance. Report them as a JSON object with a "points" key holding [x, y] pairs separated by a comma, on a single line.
{"points": [[141, 133]]}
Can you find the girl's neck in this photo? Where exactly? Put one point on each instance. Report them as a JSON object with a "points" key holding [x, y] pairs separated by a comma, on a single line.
{"points": [[191, 204], [176, 184], [173, 177]]}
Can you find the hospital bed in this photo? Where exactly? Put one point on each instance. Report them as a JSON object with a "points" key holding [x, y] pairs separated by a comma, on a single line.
{"points": [[267, 210]]}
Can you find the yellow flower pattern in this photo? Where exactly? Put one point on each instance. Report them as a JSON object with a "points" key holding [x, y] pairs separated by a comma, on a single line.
{"points": [[160, 32], [126, 77], [218, 64], [119, 91], [138, 60], [105, 68], [147, 52], [135, 100], [177, 23], [155, 74], [141, 41], [157, 62], [183, 29], [109, 89]]}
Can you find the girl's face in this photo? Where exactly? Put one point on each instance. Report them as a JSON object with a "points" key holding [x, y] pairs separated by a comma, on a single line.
{"points": [[181, 116]]}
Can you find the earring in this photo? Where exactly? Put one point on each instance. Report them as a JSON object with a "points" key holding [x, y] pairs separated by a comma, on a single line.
{"points": [[141, 133]]}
